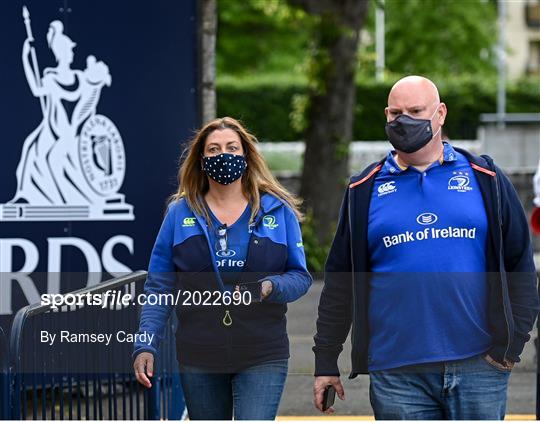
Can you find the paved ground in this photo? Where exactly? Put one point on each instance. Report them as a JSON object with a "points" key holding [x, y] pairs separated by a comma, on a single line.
{"points": [[297, 398]]}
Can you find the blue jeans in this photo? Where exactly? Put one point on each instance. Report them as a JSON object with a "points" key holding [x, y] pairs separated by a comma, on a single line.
{"points": [[253, 393], [463, 389]]}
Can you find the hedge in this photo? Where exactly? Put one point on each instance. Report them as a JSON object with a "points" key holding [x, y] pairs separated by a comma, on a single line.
{"points": [[265, 105]]}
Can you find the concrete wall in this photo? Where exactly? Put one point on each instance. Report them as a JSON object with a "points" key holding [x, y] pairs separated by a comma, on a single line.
{"points": [[515, 146]]}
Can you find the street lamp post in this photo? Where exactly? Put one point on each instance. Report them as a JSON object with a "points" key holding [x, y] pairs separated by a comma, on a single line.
{"points": [[379, 41], [501, 64]]}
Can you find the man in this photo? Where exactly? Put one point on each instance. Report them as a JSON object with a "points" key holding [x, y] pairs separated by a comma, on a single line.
{"points": [[535, 215], [432, 264]]}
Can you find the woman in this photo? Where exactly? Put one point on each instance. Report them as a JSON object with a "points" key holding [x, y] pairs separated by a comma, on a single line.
{"points": [[231, 231]]}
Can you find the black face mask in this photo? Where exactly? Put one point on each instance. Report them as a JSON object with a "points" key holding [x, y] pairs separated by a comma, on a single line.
{"points": [[407, 134], [224, 168]]}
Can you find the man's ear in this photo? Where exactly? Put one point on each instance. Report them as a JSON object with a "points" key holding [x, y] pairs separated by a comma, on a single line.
{"points": [[442, 113]]}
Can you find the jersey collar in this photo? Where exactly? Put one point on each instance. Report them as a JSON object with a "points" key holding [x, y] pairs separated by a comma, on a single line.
{"points": [[391, 165]]}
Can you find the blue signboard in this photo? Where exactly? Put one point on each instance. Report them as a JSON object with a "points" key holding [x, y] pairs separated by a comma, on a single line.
{"points": [[97, 98]]}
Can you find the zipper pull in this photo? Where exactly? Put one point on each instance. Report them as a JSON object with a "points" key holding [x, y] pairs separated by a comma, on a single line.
{"points": [[227, 320]]}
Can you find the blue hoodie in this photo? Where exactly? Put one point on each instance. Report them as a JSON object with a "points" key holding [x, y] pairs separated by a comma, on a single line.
{"points": [[220, 337]]}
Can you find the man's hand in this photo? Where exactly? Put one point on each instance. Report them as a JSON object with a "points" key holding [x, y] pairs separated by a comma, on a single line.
{"points": [[318, 391], [507, 365], [144, 368]]}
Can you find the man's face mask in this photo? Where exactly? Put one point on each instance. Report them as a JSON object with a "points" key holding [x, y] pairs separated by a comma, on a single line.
{"points": [[408, 134], [224, 168]]}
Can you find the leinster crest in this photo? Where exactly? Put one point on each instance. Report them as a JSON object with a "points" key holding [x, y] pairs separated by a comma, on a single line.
{"points": [[72, 164]]}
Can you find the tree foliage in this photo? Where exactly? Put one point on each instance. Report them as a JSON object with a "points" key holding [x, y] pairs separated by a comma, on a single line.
{"points": [[436, 38], [261, 36]]}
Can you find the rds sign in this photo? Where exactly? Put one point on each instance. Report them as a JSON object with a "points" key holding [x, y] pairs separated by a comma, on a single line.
{"points": [[92, 122]]}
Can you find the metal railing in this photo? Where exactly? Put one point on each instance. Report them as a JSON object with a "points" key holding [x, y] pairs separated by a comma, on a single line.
{"points": [[4, 388], [69, 380]]}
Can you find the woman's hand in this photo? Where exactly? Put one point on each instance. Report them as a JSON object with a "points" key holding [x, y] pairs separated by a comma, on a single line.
{"points": [[266, 288], [144, 368]]}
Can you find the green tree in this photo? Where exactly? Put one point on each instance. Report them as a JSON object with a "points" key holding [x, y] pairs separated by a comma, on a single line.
{"points": [[260, 36], [436, 38], [329, 108]]}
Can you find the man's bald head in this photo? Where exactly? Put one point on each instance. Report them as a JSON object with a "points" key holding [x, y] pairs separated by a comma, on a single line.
{"points": [[414, 86], [417, 97]]}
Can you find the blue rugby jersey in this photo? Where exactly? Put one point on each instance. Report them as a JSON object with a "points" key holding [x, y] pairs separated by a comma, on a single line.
{"points": [[230, 254], [426, 239]]}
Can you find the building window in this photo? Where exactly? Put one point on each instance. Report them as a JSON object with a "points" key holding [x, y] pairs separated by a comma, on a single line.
{"points": [[532, 14], [533, 65]]}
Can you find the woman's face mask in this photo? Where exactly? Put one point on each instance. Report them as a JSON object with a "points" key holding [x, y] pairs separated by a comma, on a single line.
{"points": [[408, 134], [224, 168]]}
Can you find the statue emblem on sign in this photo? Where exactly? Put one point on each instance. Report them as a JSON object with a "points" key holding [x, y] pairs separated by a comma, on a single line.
{"points": [[72, 165]]}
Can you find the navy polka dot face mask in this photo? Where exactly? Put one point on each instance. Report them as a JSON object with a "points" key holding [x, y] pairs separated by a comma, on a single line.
{"points": [[224, 168]]}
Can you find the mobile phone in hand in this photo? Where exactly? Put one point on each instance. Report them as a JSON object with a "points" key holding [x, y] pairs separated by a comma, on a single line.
{"points": [[254, 288], [329, 397]]}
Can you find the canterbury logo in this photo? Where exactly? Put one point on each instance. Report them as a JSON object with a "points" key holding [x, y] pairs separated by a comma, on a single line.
{"points": [[189, 222], [386, 188]]}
